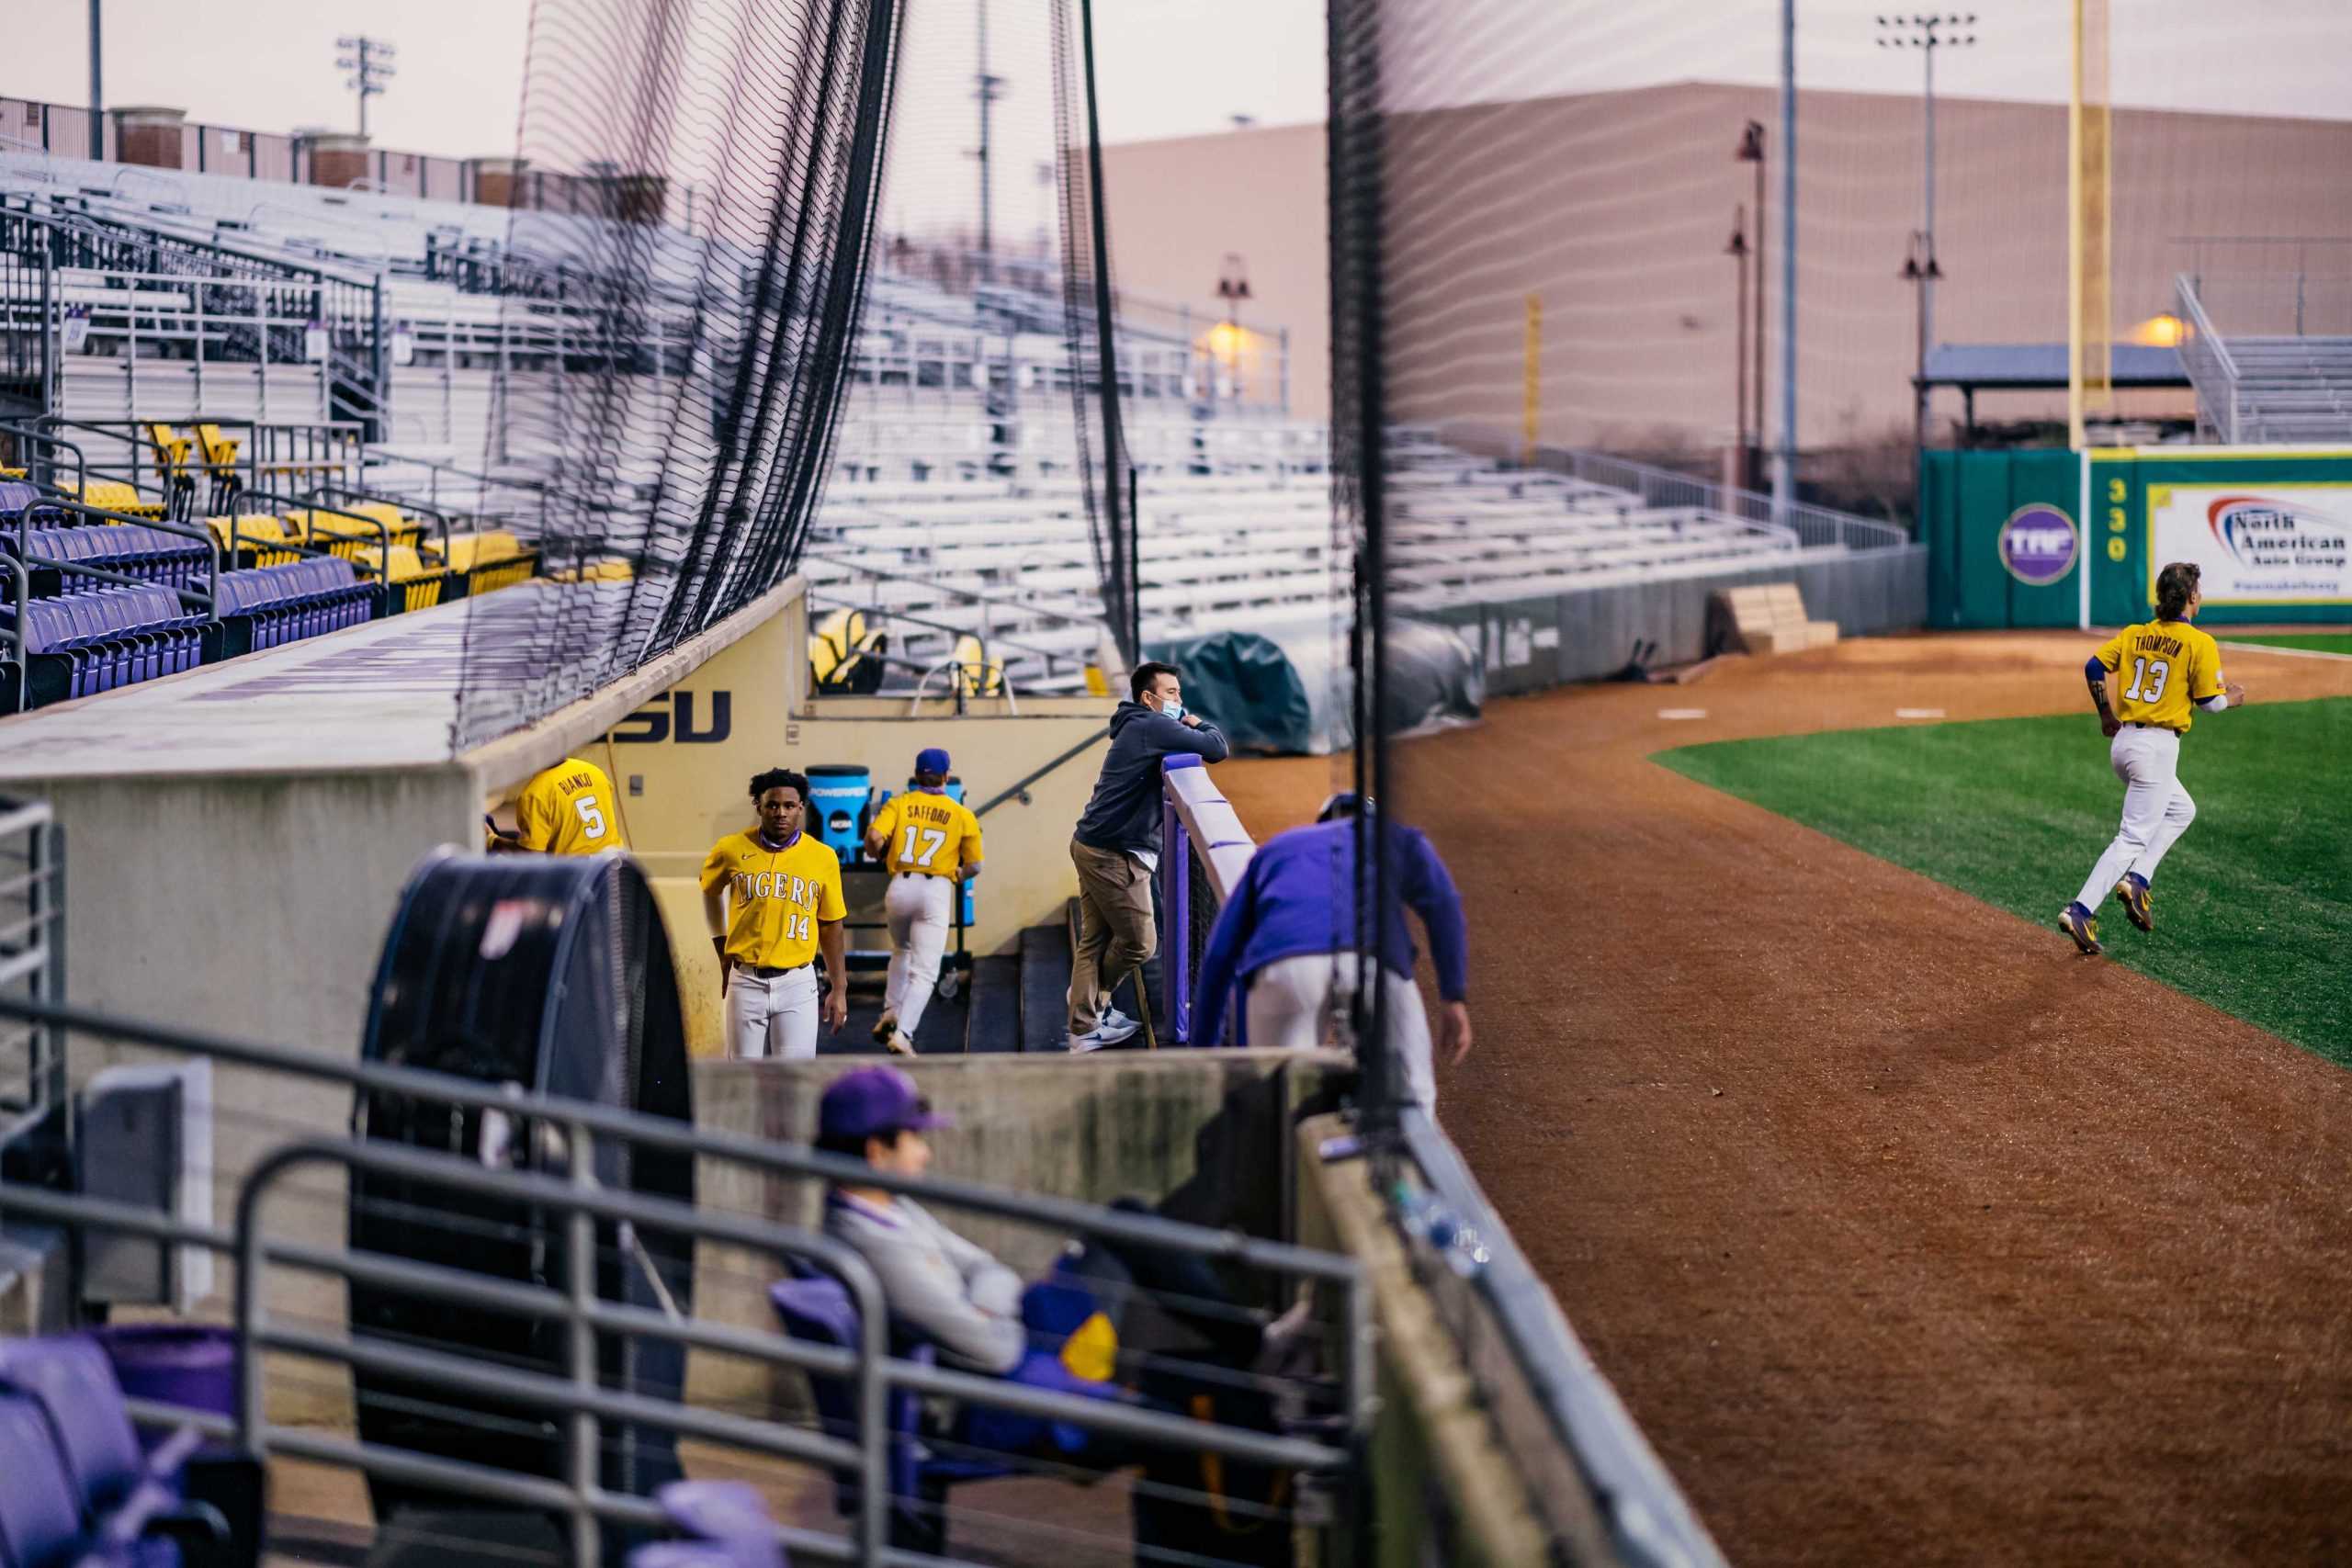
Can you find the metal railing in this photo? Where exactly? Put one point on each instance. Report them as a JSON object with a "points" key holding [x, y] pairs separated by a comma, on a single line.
{"points": [[1589, 1470], [32, 961], [2205, 357], [1810, 527], [577, 1395], [1203, 851]]}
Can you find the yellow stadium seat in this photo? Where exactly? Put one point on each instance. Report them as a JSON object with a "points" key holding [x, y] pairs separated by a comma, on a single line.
{"points": [[491, 559], [421, 581], [113, 495], [833, 646], [220, 451], [171, 448], [255, 532], [607, 571], [464, 552], [976, 674], [341, 532]]}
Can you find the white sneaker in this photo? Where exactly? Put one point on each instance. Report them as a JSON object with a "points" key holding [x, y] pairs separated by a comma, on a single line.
{"points": [[1107, 1032], [1114, 1019], [898, 1044]]}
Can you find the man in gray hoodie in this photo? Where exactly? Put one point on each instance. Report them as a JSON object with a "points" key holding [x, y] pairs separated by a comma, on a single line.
{"points": [[1117, 849]]}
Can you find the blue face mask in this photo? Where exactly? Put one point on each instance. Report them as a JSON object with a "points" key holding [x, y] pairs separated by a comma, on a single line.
{"points": [[1174, 711]]}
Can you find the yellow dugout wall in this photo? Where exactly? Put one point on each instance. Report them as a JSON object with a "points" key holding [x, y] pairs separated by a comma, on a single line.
{"points": [[682, 764]]}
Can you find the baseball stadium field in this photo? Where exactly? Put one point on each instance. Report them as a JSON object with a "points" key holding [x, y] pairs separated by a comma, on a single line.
{"points": [[1907, 1231], [2312, 642], [2254, 910]]}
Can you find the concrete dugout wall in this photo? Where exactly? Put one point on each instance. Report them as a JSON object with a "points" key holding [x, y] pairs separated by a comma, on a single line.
{"points": [[1203, 1136]]}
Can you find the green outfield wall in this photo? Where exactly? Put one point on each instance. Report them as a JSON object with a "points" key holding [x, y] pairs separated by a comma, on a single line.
{"points": [[2271, 526]]}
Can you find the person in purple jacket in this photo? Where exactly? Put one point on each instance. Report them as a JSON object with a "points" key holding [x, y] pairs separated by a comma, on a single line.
{"points": [[1287, 937]]}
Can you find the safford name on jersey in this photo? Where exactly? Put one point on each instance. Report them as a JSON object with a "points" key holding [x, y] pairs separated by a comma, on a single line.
{"points": [[916, 806]]}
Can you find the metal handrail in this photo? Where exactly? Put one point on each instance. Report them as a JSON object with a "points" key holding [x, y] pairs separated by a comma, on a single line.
{"points": [[33, 954], [576, 1195], [1019, 788], [1649, 1520], [1196, 824], [2206, 345]]}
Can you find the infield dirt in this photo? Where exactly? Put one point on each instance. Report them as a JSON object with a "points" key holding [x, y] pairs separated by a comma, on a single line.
{"points": [[1907, 1233]]}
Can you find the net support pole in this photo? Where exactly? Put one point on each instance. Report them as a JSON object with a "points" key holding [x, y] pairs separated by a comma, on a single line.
{"points": [[97, 90], [1785, 457], [1126, 609], [2075, 233]]}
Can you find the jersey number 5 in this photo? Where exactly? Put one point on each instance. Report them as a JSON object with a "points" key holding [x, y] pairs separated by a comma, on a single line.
{"points": [[2148, 678], [591, 820], [931, 840]]}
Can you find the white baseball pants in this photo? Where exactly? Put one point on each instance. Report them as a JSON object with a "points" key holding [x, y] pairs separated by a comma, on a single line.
{"points": [[2157, 810], [776, 1017], [1296, 1003], [919, 909]]}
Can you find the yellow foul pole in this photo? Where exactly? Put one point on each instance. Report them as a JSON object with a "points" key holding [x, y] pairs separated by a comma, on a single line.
{"points": [[1532, 400], [2075, 234]]}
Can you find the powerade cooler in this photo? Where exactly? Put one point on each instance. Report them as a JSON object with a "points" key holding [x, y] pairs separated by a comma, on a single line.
{"points": [[837, 796]]}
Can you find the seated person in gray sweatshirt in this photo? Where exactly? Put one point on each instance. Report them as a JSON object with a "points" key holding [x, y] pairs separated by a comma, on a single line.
{"points": [[946, 1291], [1055, 1333]]}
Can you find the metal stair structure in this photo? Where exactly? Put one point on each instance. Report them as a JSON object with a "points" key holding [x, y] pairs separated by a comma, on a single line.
{"points": [[2263, 389]]}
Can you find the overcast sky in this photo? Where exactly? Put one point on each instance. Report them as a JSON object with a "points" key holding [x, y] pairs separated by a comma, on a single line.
{"points": [[1166, 67]]}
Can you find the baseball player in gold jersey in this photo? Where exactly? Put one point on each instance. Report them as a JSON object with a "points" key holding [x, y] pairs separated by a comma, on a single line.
{"points": [[930, 844], [570, 809], [2165, 667], [772, 896]]}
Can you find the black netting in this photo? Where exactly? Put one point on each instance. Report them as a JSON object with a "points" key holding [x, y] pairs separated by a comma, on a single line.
{"points": [[1087, 316], [694, 208]]}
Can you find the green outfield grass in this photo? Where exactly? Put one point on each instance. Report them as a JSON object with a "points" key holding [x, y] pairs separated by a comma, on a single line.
{"points": [[2252, 906], [2318, 642]]}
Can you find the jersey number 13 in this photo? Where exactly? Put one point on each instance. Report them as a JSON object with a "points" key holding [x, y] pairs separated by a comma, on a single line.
{"points": [[2148, 678]]}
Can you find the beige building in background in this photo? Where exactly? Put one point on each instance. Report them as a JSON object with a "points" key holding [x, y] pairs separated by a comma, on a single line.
{"points": [[1615, 210]]}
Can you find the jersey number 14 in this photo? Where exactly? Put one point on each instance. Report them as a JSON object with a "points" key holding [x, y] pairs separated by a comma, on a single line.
{"points": [[2148, 678]]}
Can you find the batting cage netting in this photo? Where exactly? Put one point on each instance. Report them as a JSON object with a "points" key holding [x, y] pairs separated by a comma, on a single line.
{"points": [[695, 206]]}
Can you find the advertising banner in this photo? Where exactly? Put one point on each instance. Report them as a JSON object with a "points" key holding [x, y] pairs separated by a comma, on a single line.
{"points": [[2259, 544], [2269, 526]]}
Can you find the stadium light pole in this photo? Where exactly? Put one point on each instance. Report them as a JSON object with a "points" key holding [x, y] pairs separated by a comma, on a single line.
{"points": [[1752, 150], [369, 61], [97, 92], [1927, 34], [988, 89], [1920, 271], [1737, 251]]}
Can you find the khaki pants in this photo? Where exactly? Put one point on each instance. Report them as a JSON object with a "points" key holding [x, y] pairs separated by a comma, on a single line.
{"points": [[1115, 933]]}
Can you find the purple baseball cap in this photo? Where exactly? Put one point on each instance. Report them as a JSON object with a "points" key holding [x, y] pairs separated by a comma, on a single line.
{"points": [[930, 760], [865, 1103]]}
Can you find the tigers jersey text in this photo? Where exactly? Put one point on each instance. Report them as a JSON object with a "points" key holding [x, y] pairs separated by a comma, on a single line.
{"points": [[775, 899]]}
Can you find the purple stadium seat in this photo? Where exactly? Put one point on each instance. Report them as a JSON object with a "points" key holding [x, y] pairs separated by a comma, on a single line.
{"points": [[40, 1524], [727, 1515], [819, 1311]]}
